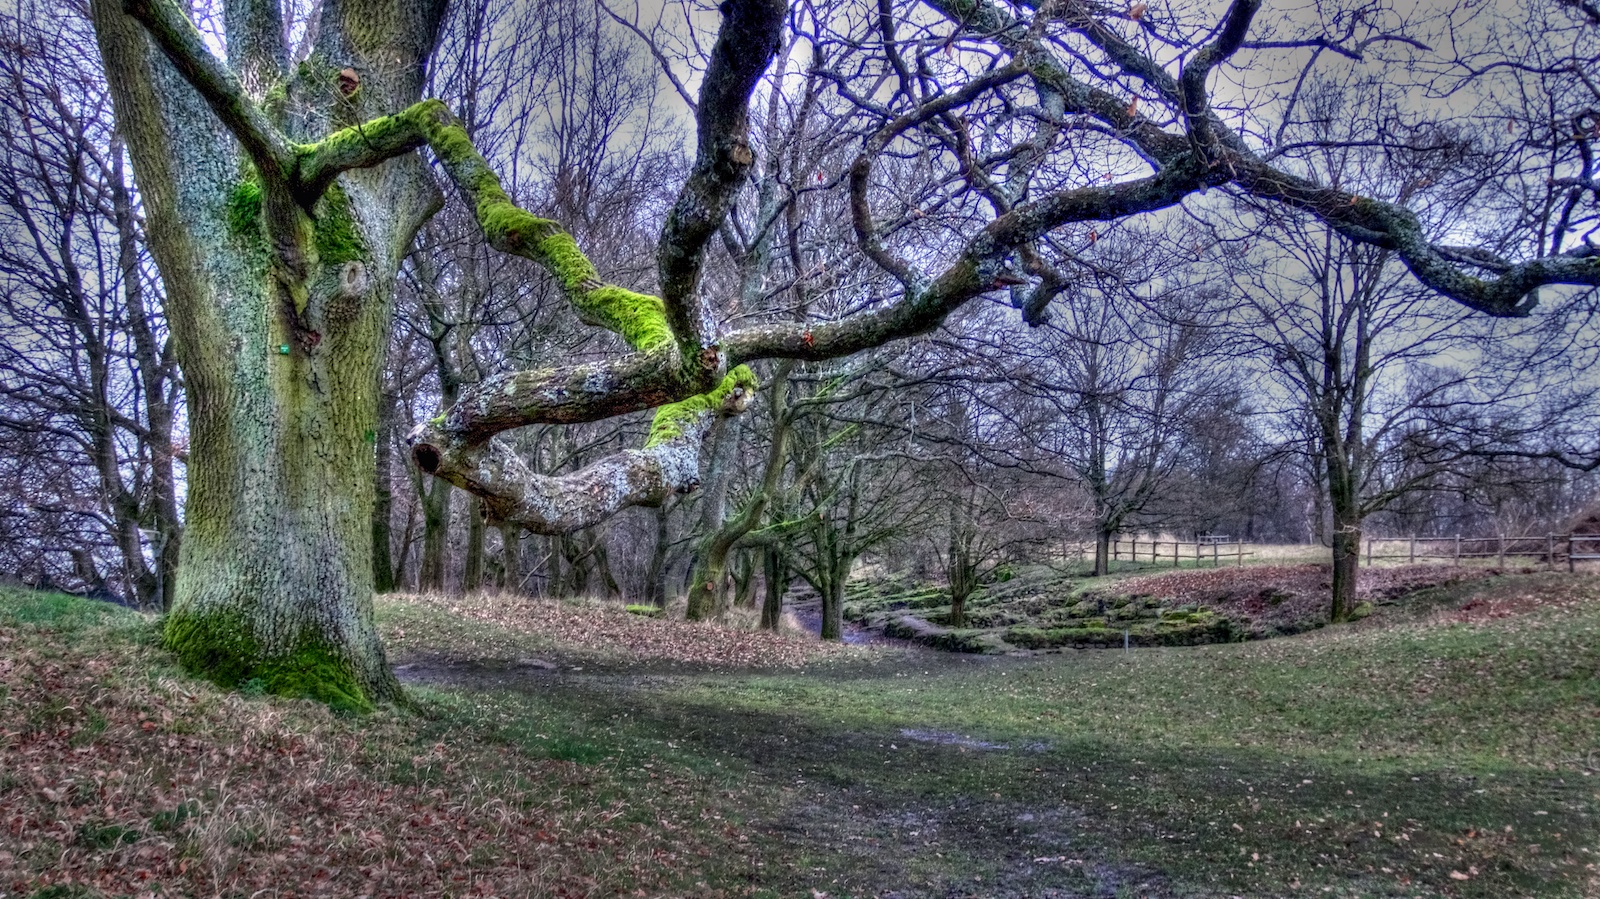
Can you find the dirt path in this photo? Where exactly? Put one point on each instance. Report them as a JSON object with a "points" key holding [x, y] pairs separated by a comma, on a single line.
{"points": [[889, 812]]}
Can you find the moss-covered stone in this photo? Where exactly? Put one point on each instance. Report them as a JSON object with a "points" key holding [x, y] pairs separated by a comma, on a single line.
{"points": [[223, 649]]}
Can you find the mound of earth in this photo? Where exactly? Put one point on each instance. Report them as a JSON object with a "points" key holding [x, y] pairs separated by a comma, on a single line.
{"points": [[1041, 609]]}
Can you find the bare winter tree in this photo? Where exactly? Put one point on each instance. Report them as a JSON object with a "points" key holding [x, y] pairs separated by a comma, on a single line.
{"points": [[282, 200], [87, 386]]}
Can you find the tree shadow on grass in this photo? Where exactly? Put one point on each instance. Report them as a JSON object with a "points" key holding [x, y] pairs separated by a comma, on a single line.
{"points": [[871, 808]]}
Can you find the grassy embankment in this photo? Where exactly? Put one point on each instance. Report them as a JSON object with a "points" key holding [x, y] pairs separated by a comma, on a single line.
{"points": [[1446, 746]]}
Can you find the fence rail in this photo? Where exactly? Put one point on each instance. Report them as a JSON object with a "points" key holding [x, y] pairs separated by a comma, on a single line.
{"points": [[1549, 549], [1208, 548]]}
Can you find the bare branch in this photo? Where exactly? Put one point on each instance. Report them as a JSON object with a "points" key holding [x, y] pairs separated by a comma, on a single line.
{"points": [[751, 33]]}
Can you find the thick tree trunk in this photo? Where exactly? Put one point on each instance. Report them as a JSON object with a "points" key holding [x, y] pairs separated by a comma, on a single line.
{"points": [[279, 309], [833, 609]]}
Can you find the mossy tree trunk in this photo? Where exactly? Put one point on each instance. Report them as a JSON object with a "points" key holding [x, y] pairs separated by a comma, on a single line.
{"points": [[708, 582], [279, 309]]}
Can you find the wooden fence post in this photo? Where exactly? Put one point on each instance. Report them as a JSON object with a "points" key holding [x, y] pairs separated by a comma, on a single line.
{"points": [[1458, 549], [1549, 552], [1572, 564], [1214, 562], [1413, 559], [1501, 561], [1370, 541]]}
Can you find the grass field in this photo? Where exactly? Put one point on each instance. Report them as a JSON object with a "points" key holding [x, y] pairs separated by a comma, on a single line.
{"points": [[1448, 745]]}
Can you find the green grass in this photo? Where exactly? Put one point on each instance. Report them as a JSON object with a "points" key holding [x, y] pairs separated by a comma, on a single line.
{"points": [[1414, 754], [56, 611], [1354, 761]]}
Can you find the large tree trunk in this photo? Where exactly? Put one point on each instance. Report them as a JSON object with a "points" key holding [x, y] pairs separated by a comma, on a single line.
{"points": [[279, 311]]}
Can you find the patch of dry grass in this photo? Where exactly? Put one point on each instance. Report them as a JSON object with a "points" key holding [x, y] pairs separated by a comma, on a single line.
{"points": [[520, 625], [120, 776]]}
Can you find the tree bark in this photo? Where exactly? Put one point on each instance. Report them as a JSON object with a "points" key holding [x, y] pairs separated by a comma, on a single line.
{"points": [[833, 608], [775, 574], [472, 558], [1346, 540], [655, 578], [383, 568], [708, 584], [1102, 551], [279, 313], [510, 580], [435, 537]]}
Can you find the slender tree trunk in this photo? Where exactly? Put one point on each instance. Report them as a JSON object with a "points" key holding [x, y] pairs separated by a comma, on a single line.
{"points": [[1346, 540], [602, 566], [744, 580], [510, 559], [472, 558], [435, 536], [707, 593], [775, 572], [1102, 551], [383, 568], [154, 367], [655, 578]]}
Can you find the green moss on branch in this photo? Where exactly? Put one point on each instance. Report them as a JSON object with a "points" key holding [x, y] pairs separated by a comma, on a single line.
{"points": [[674, 420]]}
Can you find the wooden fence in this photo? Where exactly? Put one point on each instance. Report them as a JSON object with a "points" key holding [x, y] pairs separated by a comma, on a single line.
{"points": [[1549, 549], [1214, 548]]}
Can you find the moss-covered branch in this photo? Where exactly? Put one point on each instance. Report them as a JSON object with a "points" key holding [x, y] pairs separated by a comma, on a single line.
{"points": [[639, 319], [669, 463]]}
